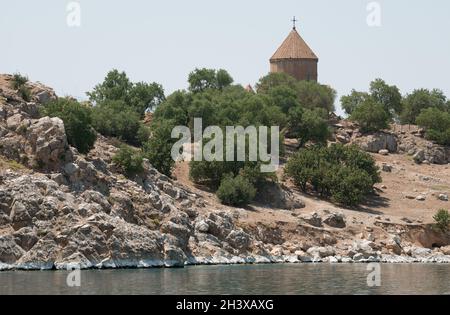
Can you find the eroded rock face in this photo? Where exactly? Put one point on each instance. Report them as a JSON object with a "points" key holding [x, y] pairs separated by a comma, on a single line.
{"points": [[378, 142]]}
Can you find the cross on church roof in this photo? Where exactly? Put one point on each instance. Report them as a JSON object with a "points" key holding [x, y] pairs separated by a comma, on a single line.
{"points": [[294, 20]]}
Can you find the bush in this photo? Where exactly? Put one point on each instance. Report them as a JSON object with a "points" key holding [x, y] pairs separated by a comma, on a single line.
{"points": [[25, 93], [442, 218], [18, 81], [236, 191], [349, 186], [203, 79], [437, 125], [310, 94], [77, 122], [135, 96], [308, 125], [421, 99], [129, 161], [158, 148], [350, 103], [345, 174], [116, 119], [371, 116]]}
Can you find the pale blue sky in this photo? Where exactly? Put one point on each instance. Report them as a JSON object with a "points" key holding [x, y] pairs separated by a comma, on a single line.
{"points": [[163, 41]]}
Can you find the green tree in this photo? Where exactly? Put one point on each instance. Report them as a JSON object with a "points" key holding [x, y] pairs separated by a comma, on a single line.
{"points": [[236, 191], [174, 108], [314, 95], [371, 116], [115, 87], [223, 79], [203, 79], [308, 125], [349, 186], [275, 79], [158, 149], [350, 102], [143, 96], [345, 174], [388, 96], [116, 119], [284, 97], [437, 125], [129, 160], [421, 99], [442, 218], [77, 122]]}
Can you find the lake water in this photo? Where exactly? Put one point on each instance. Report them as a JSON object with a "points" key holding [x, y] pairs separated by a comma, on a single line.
{"points": [[249, 279]]}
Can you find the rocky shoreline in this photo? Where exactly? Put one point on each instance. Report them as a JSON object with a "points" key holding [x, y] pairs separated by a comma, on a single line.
{"points": [[252, 260], [60, 209]]}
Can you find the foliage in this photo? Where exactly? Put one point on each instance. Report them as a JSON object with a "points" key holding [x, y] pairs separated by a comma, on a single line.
{"points": [[77, 122], [314, 95], [421, 99], [18, 81], [310, 94], [25, 93], [308, 125], [274, 80], [118, 87], [129, 160], [236, 191], [351, 102], [345, 174], [116, 119], [371, 116], [387, 95], [437, 125], [442, 218], [158, 148], [203, 79]]}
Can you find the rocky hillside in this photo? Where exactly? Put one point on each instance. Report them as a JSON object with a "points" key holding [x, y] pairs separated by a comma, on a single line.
{"points": [[59, 208]]}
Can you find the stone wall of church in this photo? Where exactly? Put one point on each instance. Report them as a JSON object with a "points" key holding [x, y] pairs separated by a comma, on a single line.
{"points": [[301, 69]]}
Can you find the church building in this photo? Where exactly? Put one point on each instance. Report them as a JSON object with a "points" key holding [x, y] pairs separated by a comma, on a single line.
{"points": [[295, 57]]}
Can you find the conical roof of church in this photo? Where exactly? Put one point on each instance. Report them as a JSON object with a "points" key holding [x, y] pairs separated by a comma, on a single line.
{"points": [[294, 47]]}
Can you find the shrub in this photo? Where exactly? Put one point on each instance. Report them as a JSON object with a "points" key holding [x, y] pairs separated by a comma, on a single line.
{"points": [[351, 102], [18, 81], [116, 119], [371, 116], [129, 160], [308, 125], [135, 96], [345, 174], [421, 99], [236, 191], [203, 79], [77, 122], [25, 93], [442, 218], [349, 186], [159, 147], [437, 125]]}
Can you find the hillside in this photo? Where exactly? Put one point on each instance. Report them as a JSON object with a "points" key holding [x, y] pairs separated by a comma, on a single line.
{"points": [[60, 208]]}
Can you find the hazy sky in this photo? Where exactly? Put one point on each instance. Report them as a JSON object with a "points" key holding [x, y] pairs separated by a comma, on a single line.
{"points": [[163, 41]]}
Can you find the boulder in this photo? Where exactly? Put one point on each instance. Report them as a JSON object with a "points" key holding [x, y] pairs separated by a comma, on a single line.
{"points": [[336, 220], [239, 239], [48, 141], [314, 219], [10, 252], [377, 142]]}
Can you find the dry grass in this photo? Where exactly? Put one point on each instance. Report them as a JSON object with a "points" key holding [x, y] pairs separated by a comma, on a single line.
{"points": [[9, 164]]}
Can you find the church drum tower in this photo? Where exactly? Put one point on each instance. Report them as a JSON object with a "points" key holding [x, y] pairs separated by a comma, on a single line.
{"points": [[295, 58]]}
